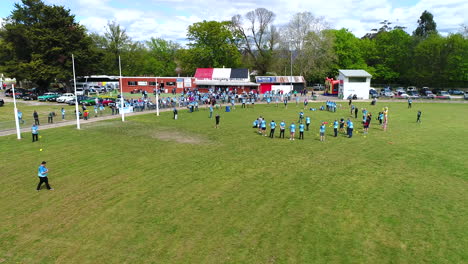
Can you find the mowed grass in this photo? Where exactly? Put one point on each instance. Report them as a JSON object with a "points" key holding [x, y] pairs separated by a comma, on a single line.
{"points": [[158, 190]]}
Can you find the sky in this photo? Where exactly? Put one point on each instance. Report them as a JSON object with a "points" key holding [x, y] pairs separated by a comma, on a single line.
{"points": [[169, 19]]}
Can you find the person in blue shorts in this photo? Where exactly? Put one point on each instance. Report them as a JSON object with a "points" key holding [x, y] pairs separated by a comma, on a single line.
{"points": [[272, 128], [307, 122], [322, 132], [282, 128], [335, 127], [301, 131]]}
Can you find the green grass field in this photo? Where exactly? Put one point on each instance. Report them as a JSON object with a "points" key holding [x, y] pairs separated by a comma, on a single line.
{"points": [[157, 190]]}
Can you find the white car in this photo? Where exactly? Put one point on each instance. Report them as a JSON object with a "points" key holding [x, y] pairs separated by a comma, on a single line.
{"points": [[65, 97]]}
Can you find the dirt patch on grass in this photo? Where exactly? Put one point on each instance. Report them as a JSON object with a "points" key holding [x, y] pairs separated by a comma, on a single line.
{"points": [[179, 137]]}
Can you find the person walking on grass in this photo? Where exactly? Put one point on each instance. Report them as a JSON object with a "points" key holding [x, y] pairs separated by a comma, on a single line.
{"points": [[42, 173], [322, 132], [282, 128], [301, 131], [410, 102], [285, 102], [263, 127], [272, 128], [350, 128], [306, 102], [292, 130], [175, 113], [36, 118], [335, 128], [50, 118], [301, 116], [35, 133], [217, 117], [307, 123], [20, 117], [342, 125], [356, 110], [63, 113], [418, 120]]}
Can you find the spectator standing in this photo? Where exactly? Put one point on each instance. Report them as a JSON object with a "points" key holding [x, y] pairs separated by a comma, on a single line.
{"points": [[175, 113], [35, 133], [50, 118], [36, 118], [322, 132], [20, 117], [217, 118], [42, 173], [282, 128], [63, 113], [418, 120], [301, 131], [292, 130], [272, 128], [335, 127]]}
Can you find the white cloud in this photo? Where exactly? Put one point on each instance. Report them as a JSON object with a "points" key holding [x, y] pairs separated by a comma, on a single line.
{"points": [[170, 18]]}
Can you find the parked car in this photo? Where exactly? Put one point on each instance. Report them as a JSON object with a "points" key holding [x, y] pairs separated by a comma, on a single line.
{"points": [[444, 95], [373, 93], [413, 94], [2, 102], [89, 101], [455, 92], [411, 89], [79, 99], [64, 97], [80, 91], [465, 96], [30, 96], [402, 94], [48, 96], [429, 94], [318, 87], [108, 101], [400, 90]]}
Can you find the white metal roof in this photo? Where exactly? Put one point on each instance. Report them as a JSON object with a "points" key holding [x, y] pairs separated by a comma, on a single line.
{"points": [[221, 73], [355, 73], [225, 83]]}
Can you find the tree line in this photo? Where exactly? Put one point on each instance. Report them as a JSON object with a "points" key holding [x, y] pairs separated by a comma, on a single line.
{"points": [[37, 40]]}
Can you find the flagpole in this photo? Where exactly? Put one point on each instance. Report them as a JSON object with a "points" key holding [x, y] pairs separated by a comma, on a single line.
{"points": [[18, 132], [157, 97], [76, 96], [121, 93]]}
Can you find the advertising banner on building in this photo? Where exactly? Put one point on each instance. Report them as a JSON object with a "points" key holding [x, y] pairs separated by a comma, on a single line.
{"points": [[188, 82], [268, 79]]}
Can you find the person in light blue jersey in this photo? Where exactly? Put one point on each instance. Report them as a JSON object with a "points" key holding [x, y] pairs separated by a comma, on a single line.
{"points": [[322, 132], [255, 124], [301, 131], [292, 130], [301, 116], [307, 122], [350, 129], [282, 129], [42, 173], [211, 111], [335, 127], [263, 126], [63, 113], [272, 128], [20, 117], [35, 133]]}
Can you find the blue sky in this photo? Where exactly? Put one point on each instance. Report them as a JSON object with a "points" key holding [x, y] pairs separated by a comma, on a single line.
{"points": [[169, 19]]}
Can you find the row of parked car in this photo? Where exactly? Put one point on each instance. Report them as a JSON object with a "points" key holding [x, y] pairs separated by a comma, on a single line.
{"points": [[68, 98], [412, 92]]}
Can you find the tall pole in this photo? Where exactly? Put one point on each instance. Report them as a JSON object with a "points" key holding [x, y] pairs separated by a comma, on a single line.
{"points": [[18, 132], [121, 93], [76, 96], [157, 97], [292, 88]]}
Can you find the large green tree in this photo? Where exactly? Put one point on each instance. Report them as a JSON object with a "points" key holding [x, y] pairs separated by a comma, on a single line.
{"points": [[39, 40], [426, 25], [162, 57], [212, 44]]}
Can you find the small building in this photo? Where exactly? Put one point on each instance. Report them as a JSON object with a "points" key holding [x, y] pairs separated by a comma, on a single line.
{"points": [[354, 82], [281, 83], [149, 84], [224, 79]]}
